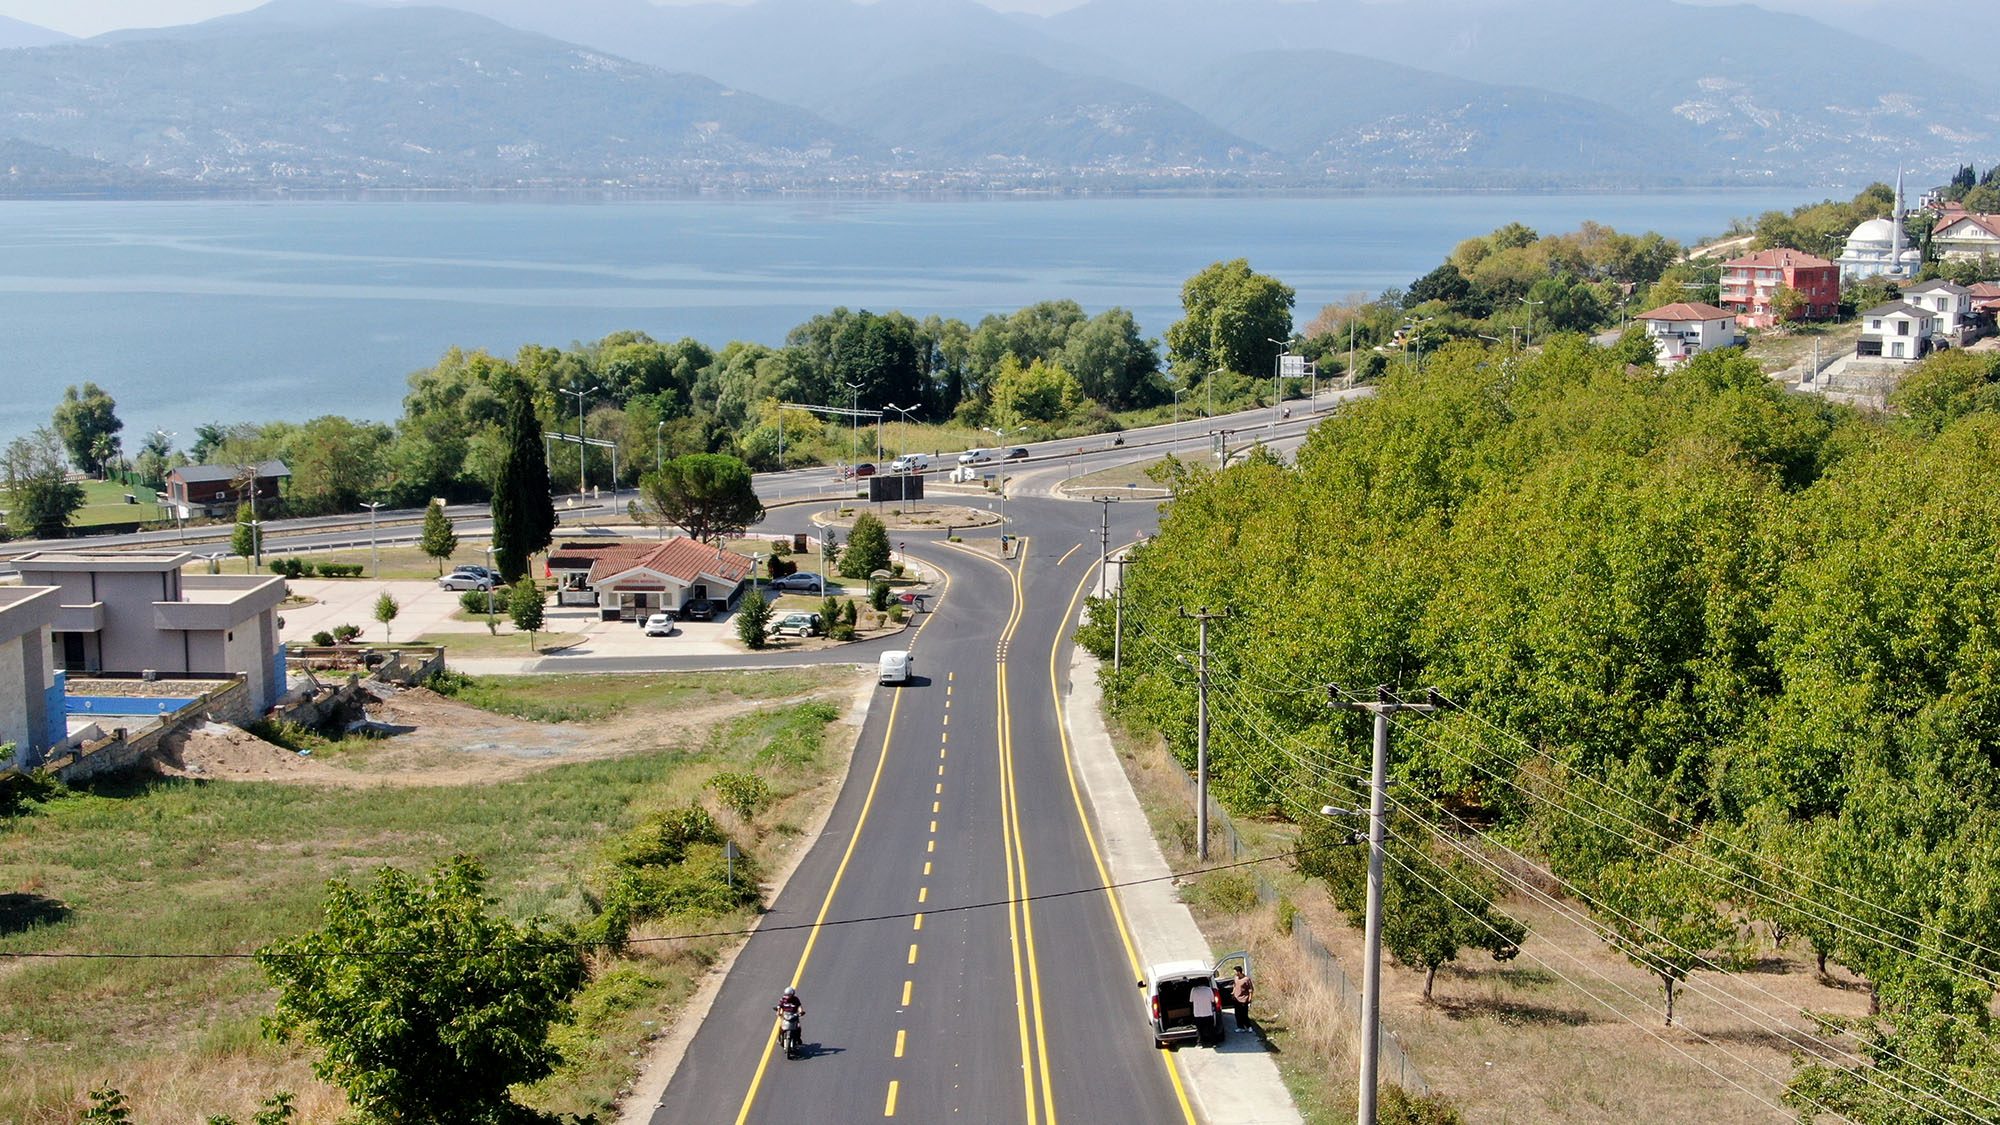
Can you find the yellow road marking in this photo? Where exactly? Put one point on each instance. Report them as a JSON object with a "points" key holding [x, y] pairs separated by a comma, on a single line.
{"points": [[917, 923], [940, 787], [913, 953], [899, 1043], [927, 868], [934, 807], [1096, 854], [934, 826], [923, 893], [889, 1107], [1068, 553], [839, 872], [931, 847], [907, 985]]}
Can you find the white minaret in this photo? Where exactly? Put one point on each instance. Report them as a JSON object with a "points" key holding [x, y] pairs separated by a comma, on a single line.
{"points": [[1896, 236]]}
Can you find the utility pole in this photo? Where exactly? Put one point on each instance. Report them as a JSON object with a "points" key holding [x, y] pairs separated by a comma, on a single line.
{"points": [[1118, 618], [1104, 535], [1201, 734], [1384, 706]]}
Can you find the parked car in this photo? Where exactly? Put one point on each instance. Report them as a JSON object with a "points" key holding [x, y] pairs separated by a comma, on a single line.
{"points": [[864, 469], [911, 463], [1016, 454], [698, 609], [461, 580], [660, 625], [798, 580], [1169, 986], [977, 456], [475, 568], [799, 624]]}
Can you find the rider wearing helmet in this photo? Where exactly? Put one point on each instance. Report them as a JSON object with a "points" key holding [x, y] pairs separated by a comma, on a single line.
{"points": [[790, 1004]]}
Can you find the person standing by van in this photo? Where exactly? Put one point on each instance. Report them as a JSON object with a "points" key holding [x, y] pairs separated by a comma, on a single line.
{"points": [[1207, 1025], [1240, 991]]}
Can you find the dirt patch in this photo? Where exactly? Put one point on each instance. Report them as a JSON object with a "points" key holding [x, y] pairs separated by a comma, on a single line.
{"points": [[429, 740], [917, 517]]}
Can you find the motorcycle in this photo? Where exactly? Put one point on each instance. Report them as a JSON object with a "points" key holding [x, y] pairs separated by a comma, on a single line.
{"points": [[788, 1033]]}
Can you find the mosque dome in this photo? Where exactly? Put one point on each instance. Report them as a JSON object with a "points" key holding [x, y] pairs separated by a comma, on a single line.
{"points": [[1874, 230]]}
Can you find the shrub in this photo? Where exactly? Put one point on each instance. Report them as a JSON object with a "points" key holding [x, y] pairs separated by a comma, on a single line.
{"points": [[842, 632], [896, 569], [897, 614], [345, 633], [323, 639], [1400, 1107], [781, 547], [1288, 913], [878, 596], [781, 567], [476, 601], [744, 794], [848, 614], [289, 568]]}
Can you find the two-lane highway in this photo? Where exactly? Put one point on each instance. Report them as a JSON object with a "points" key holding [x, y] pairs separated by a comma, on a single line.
{"points": [[946, 969]]}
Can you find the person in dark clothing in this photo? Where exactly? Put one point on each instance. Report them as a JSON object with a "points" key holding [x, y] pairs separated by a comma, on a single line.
{"points": [[1240, 992]]}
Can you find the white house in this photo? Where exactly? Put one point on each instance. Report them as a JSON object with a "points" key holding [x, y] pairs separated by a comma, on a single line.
{"points": [[1897, 330], [1687, 328], [1951, 302], [1962, 235]]}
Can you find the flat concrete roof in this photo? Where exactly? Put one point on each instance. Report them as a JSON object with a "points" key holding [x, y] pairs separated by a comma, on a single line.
{"points": [[24, 609], [80, 562]]}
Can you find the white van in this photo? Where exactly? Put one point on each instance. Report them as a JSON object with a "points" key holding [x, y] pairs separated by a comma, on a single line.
{"points": [[976, 456], [911, 463], [897, 666]]}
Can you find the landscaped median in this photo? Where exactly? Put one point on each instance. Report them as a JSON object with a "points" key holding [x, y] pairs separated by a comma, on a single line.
{"points": [[562, 788]]}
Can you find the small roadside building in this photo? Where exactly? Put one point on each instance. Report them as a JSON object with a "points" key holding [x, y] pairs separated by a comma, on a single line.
{"points": [[630, 580], [1685, 329], [215, 490], [1898, 330]]}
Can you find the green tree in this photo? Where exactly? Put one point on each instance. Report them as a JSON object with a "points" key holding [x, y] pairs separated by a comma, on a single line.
{"points": [[1039, 393], [1787, 303], [753, 617], [438, 539], [525, 603], [424, 1004], [247, 540], [335, 462], [710, 495], [867, 548], [87, 421], [1231, 317], [41, 500], [1662, 915], [524, 515], [386, 610]]}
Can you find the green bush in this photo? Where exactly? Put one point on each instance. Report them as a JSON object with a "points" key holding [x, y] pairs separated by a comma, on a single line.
{"points": [[663, 839], [477, 601], [744, 794], [897, 613], [345, 633], [1288, 912], [323, 639], [842, 632], [290, 567], [1400, 1107], [878, 596]]}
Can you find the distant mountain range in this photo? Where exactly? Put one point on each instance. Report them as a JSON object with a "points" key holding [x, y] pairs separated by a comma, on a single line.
{"points": [[952, 94]]}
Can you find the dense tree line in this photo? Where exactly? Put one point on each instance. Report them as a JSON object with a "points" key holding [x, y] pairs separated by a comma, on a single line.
{"points": [[1724, 655]]}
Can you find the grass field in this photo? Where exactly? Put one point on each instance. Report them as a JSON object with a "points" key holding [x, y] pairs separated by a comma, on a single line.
{"points": [[214, 870], [104, 502]]}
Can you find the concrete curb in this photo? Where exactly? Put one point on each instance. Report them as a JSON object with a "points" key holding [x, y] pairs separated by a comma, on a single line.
{"points": [[656, 1070], [1236, 1082]]}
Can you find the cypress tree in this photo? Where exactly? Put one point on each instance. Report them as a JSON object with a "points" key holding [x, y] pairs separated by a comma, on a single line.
{"points": [[524, 516]]}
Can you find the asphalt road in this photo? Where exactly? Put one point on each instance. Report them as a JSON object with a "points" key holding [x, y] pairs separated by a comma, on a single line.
{"points": [[953, 997]]}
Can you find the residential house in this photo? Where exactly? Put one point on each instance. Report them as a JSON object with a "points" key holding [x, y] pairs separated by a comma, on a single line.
{"points": [[1953, 305], [1961, 235], [1685, 329], [137, 612], [1749, 283], [215, 490], [1897, 330], [630, 580], [31, 690], [1985, 302]]}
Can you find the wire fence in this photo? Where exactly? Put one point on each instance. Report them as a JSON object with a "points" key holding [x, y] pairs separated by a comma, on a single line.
{"points": [[1394, 1065]]}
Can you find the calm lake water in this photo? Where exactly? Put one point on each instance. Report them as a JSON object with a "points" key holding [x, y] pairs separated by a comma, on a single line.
{"points": [[242, 310]]}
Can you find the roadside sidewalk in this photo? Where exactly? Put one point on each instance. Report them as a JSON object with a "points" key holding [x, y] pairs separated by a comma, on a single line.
{"points": [[1236, 1083]]}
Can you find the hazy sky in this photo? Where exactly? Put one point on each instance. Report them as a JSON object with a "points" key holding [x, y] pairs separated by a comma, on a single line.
{"points": [[91, 17]]}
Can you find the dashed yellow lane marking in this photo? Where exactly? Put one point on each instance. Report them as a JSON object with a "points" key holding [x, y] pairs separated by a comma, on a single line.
{"points": [[940, 787], [889, 1107], [934, 807], [934, 826], [913, 953], [917, 923], [899, 1043], [907, 985], [931, 847], [927, 868], [923, 893]]}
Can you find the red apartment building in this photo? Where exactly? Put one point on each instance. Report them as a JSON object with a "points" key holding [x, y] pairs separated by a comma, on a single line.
{"points": [[1747, 285]]}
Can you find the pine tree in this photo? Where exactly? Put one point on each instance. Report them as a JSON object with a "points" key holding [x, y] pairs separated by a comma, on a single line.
{"points": [[867, 548], [524, 517], [439, 540]]}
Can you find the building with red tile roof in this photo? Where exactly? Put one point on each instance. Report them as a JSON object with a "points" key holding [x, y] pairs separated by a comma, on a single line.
{"points": [[1961, 235], [1748, 284], [1685, 329], [630, 580]]}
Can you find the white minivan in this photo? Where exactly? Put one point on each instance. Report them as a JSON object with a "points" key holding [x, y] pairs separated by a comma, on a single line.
{"points": [[911, 463], [976, 456], [897, 666]]}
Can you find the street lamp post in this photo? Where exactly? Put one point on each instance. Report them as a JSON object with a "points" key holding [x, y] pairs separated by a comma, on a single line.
{"points": [[581, 449], [854, 423], [1531, 319], [1177, 419], [659, 455], [905, 411], [374, 552]]}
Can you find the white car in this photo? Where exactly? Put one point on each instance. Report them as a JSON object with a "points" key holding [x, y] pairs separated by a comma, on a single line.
{"points": [[660, 625], [911, 463], [461, 580], [798, 580], [977, 456]]}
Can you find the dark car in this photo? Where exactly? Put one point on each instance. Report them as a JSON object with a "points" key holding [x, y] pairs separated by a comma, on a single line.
{"points": [[1016, 454], [865, 469], [699, 609]]}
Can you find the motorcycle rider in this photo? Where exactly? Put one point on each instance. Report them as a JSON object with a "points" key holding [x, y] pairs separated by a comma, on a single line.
{"points": [[790, 1004]]}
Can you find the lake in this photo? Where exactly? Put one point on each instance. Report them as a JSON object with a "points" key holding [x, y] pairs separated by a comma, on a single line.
{"points": [[235, 310]]}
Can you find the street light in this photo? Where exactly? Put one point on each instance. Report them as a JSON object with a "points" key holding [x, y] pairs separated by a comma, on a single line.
{"points": [[374, 555], [581, 448], [854, 422], [1531, 319], [659, 459], [905, 411], [1178, 392]]}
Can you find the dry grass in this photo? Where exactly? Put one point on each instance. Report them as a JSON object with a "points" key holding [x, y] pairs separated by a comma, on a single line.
{"points": [[1779, 350], [1508, 1042]]}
